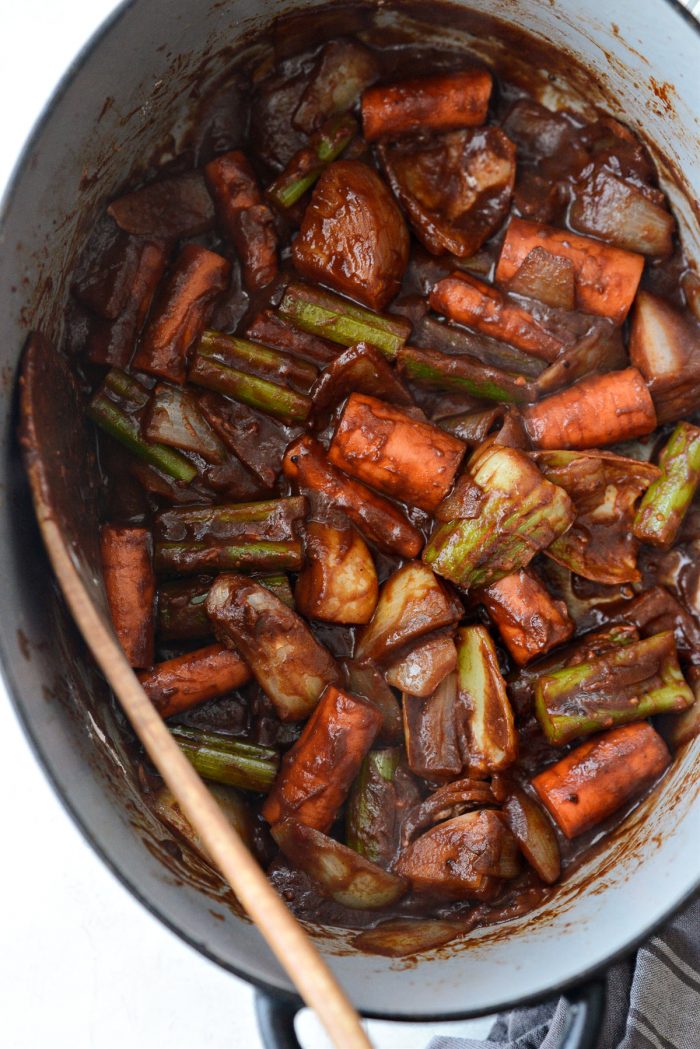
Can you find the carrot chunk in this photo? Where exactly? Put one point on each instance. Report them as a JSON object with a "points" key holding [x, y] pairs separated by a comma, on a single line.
{"points": [[606, 277], [464, 299], [180, 312], [245, 217], [379, 520], [528, 618], [178, 684], [318, 771], [127, 564], [596, 411], [385, 447], [600, 776], [438, 103]]}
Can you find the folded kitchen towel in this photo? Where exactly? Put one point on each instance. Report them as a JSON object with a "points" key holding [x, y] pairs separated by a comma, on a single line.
{"points": [[653, 1000]]}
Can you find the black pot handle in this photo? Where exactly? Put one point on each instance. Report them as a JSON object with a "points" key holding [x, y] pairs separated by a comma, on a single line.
{"points": [[276, 1018]]}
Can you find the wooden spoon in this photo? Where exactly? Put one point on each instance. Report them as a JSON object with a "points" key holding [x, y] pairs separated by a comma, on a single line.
{"points": [[43, 369]]}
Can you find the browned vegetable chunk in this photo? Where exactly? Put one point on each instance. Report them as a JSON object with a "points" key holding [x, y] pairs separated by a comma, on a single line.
{"points": [[549, 278], [421, 671], [364, 679], [180, 312], [464, 858], [533, 832], [319, 770], [338, 871], [344, 69], [665, 346], [600, 776], [455, 188], [412, 602], [383, 524], [433, 731], [287, 661], [169, 208], [604, 489], [485, 710], [437, 103], [246, 219], [353, 236], [616, 211], [338, 582], [112, 341], [386, 448], [130, 583], [178, 684], [359, 369], [529, 619]]}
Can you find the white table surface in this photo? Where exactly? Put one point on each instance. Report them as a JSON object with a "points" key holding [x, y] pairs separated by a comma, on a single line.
{"points": [[83, 965]]}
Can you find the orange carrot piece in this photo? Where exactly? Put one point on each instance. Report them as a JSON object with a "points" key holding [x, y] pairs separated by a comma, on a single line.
{"points": [[596, 411], [319, 770], [443, 102], [528, 618], [469, 301], [178, 684], [379, 521], [180, 312], [388, 449], [606, 277], [245, 217], [601, 775], [130, 583]]}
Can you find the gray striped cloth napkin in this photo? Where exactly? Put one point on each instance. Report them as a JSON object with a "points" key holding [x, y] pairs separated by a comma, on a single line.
{"points": [[653, 1001]]}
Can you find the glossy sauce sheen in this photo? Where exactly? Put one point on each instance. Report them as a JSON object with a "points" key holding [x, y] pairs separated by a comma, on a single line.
{"points": [[352, 205]]}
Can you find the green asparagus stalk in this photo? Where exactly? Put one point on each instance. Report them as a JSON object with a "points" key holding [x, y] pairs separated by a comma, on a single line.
{"points": [[372, 799], [183, 558], [270, 519], [520, 514], [209, 371], [321, 313], [432, 368], [308, 163], [125, 427], [666, 501], [629, 683], [222, 759], [262, 361]]}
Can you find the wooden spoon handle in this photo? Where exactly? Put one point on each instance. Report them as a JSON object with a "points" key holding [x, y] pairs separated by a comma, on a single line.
{"points": [[283, 933]]}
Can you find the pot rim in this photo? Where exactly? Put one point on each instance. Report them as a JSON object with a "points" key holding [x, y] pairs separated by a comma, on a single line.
{"points": [[43, 754]]}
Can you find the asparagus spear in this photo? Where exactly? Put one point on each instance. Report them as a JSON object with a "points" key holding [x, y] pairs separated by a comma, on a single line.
{"points": [[270, 519], [233, 762], [259, 360], [667, 499], [121, 421], [626, 684], [371, 806], [432, 368], [521, 513], [210, 371], [187, 557], [308, 163], [322, 313]]}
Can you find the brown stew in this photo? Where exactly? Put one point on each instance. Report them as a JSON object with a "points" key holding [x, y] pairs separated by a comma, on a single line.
{"points": [[395, 382]]}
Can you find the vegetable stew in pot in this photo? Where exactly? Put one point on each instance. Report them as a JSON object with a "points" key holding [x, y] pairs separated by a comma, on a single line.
{"points": [[395, 382]]}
